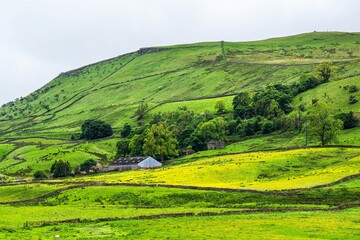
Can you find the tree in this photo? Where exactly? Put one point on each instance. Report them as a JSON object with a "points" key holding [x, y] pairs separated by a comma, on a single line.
{"points": [[294, 120], [60, 169], [249, 127], [325, 71], [220, 107], [126, 130], [94, 129], [242, 104], [307, 82], [213, 130], [141, 110], [40, 175], [271, 101], [136, 145], [88, 165], [77, 170], [160, 142], [267, 127], [322, 125], [122, 148]]}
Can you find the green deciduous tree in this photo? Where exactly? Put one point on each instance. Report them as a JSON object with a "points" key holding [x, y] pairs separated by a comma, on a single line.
{"points": [[272, 101], [141, 110], [267, 127], [61, 169], [123, 148], [242, 104], [213, 130], [160, 142], [325, 71], [93, 129], [322, 125], [88, 165], [126, 130], [220, 107], [136, 145]]}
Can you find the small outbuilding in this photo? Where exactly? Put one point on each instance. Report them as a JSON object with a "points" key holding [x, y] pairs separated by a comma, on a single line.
{"points": [[133, 163], [215, 145]]}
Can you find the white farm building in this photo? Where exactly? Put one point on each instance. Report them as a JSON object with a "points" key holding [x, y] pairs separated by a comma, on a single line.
{"points": [[131, 163]]}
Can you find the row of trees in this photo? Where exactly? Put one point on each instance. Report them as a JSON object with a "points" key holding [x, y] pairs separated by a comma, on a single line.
{"points": [[63, 169]]}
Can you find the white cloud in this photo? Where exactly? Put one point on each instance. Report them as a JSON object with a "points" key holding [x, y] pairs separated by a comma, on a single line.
{"points": [[40, 38]]}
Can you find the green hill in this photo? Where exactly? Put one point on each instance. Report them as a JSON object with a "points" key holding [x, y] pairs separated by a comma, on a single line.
{"points": [[36, 129], [165, 76]]}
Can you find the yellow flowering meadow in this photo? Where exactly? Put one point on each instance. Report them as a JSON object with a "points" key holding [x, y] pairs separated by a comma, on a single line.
{"points": [[274, 170]]}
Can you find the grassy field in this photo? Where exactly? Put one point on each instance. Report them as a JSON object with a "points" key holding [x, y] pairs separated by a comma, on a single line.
{"points": [[270, 170], [97, 205], [28, 191], [298, 225]]}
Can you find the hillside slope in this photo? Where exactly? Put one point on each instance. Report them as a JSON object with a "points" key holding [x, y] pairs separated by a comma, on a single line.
{"points": [[112, 89]]}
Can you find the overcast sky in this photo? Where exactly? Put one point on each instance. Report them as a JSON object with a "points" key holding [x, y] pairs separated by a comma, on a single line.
{"points": [[41, 38]]}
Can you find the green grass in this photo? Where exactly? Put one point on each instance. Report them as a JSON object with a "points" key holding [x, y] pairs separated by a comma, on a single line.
{"points": [[197, 106], [297, 225], [23, 192], [159, 197], [5, 149], [94, 202], [31, 154], [333, 93]]}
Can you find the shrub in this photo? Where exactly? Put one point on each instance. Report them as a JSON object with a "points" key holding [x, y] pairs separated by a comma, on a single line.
{"points": [[353, 88], [352, 99], [40, 175], [302, 107], [349, 120], [314, 101]]}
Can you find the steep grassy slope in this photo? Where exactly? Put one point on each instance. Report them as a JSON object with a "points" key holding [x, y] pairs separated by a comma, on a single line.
{"points": [[112, 89], [336, 93]]}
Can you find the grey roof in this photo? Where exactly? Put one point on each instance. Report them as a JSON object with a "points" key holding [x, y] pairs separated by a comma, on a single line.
{"points": [[149, 162], [144, 162], [128, 160]]}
